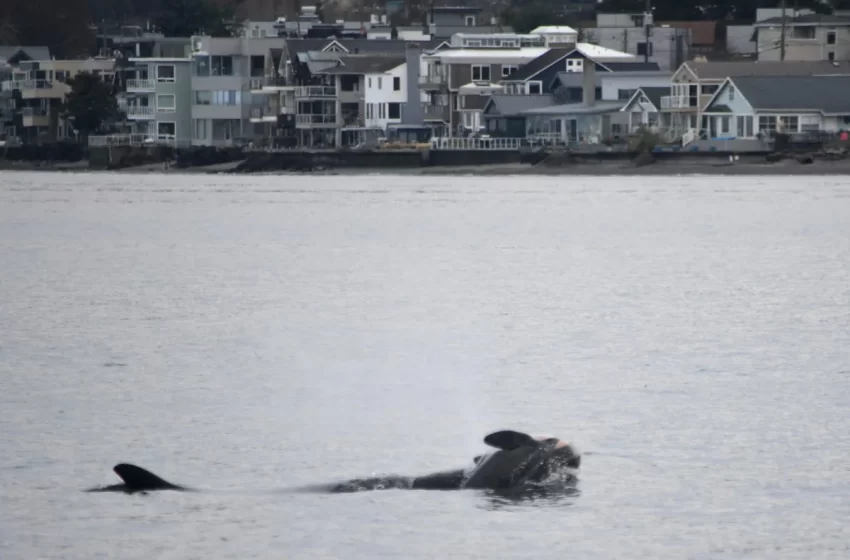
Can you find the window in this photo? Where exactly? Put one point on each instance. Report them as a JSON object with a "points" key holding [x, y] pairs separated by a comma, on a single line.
{"points": [[165, 103], [731, 93], [626, 94], [803, 32], [382, 108], [396, 84], [227, 97], [745, 127], [767, 125], [221, 66], [199, 129], [165, 73], [507, 70], [830, 56], [535, 88], [616, 129], [469, 21], [480, 73], [370, 82], [166, 130], [642, 49], [724, 125], [394, 110], [203, 97], [830, 37], [790, 123], [380, 82], [202, 66], [575, 65]]}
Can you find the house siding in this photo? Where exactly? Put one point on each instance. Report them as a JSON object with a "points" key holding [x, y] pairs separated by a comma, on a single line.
{"points": [[378, 97]]}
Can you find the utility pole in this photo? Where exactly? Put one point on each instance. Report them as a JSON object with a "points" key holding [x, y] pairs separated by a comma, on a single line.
{"points": [[647, 24], [782, 34]]}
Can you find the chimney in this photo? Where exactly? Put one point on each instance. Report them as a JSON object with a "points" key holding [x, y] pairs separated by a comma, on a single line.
{"points": [[588, 83]]}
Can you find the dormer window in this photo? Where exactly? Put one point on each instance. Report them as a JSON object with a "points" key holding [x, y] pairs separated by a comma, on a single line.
{"points": [[575, 65], [469, 21]]}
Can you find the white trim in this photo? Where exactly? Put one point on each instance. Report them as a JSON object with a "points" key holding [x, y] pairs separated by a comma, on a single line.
{"points": [[637, 96], [166, 122], [166, 80], [528, 87], [481, 78], [334, 43], [716, 93], [172, 109]]}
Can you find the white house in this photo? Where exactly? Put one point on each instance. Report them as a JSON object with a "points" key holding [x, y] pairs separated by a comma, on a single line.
{"points": [[750, 106], [385, 93], [644, 107]]}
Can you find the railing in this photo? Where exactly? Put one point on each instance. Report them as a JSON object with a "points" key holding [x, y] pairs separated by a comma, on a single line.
{"points": [[33, 112], [315, 91], [12, 85], [255, 84], [315, 119], [435, 112], [433, 78], [141, 85], [505, 144], [140, 111], [689, 136], [676, 102], [130, 140]]}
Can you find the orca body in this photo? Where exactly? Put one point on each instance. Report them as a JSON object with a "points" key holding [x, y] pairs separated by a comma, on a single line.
{"points": [[137, 479], [519, 461]]}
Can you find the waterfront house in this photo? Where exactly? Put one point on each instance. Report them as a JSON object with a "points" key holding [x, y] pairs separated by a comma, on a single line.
{"points": [[755, 107], [536, 77], [225, 72], [668, 45], [695, 82], [644, 107], [38, 88], [503, 114], [159, 98]]}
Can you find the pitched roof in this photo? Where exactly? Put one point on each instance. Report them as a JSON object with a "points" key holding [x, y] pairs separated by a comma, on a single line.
{"points": [[539, 64], [827, 94], [641, 66], [513, 105], [33, 53], [654, 94], [365, 64], [723, 70]]}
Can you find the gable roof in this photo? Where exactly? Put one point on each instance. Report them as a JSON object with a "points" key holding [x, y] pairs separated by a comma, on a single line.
{"points": [[31, 53], [653, 94], [513, 105], [723, 70], [539, 64], [826, 94], [365, 64]]}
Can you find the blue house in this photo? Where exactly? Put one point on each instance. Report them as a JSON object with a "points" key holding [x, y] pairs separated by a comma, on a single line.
{"points": [[538, 76]]}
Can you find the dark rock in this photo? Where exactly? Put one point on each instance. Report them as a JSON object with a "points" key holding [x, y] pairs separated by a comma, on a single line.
{"points": [[643, 159], [805, 159], [773, 157]]}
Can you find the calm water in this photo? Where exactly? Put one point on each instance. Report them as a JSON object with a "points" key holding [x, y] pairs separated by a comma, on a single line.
{"points": [[250, 335]]}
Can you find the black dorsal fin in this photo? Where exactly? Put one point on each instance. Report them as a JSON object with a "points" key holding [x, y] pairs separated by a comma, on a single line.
{"points": [[508, 440], [138, 479]]}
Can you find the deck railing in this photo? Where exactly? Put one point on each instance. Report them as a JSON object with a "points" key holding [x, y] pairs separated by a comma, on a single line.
{"points": [[504, 144]]}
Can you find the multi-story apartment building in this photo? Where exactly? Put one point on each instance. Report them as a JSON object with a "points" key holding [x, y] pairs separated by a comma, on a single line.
{"points": [[38, 89], [158, 99], [810, 37], [225, 72]]}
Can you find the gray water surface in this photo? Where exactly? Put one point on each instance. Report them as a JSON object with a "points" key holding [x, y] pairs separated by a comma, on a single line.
{"points": [[253, 335]]}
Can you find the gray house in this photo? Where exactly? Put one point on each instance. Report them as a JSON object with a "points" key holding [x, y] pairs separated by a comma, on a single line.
{"points": [[159, 99], [225, 71], [445, 21]]}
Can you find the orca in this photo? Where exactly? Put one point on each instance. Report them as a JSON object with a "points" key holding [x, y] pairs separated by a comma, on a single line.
{"points": [[520, 461], [137, 479]]}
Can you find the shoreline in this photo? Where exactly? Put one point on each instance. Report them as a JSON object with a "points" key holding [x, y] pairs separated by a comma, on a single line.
{"points": [[669, 168]]}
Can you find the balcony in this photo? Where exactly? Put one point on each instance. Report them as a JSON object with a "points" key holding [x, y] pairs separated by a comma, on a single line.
{"points": [[678, 103], [141, 86], [434, 81], [435, 112], [31, 116], [315, 121], [315, 92], [36, 89], [140, 112]]}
